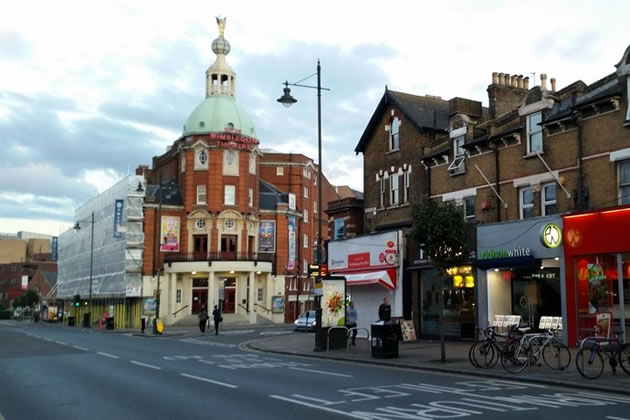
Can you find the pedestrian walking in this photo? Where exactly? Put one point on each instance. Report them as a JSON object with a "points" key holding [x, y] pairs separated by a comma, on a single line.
{"points": [[216, 314], [385, 311], [203, 318], [351, 321]]}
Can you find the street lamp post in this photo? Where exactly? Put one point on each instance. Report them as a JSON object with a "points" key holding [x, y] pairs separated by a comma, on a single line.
{"points": [[77, 226], [287, 100]]}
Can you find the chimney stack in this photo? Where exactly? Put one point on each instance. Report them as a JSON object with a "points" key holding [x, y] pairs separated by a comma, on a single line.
{"points": [[543, 81], [553, 84]]}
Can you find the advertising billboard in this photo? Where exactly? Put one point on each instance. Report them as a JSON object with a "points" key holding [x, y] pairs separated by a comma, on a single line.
{"points": [[267, 236], [169, 238]]}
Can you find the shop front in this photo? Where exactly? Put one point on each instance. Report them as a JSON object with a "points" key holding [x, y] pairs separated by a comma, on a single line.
{"points": [[371, 267], [521, 272], [597, 257]]}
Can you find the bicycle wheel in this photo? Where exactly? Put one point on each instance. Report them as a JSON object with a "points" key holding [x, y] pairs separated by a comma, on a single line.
{"points": [[515, 358], [556, 355], [470, 355], [589, 362], [624, 358], [483, 354]]}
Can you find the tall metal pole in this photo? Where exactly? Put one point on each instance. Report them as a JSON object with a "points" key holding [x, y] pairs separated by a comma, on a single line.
{"points": [[320, 209], [157, 302], [91, 263]]}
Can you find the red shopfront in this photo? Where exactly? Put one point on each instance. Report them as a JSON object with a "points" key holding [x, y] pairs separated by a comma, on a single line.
{"points": [[597, 261]]}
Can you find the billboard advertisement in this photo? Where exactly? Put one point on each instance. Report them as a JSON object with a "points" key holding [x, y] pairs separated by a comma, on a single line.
{"points": [[267, 236], [169, 238], [333, 305]]}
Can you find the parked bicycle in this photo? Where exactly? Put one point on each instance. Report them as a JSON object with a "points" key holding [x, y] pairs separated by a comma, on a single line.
{"points": [[531, 348], [590, 356], [486, 352]]}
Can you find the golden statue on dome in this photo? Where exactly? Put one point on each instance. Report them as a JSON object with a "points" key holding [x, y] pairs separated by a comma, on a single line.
{"points": [[221, 23]]}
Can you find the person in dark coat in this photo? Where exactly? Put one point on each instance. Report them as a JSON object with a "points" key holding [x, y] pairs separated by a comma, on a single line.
{"points": [[203, 318], [216, 314], [385, 310]]}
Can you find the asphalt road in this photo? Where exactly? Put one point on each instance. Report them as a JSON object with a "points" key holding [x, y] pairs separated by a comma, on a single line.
{"points": [[65, 373]]}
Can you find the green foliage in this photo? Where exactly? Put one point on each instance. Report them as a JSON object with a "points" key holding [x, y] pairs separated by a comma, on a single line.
{"points": [[30, 298], [442, 232]]}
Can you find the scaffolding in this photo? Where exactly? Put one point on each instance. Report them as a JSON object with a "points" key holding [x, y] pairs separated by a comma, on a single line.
{"points": [[117, 253]]}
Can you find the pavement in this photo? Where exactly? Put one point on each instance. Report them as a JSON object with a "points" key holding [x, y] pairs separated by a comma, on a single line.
{"points": [[424, 355], [421, 355]]}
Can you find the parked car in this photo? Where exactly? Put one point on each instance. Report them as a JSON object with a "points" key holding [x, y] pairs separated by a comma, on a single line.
{"points": [[306, 321]]}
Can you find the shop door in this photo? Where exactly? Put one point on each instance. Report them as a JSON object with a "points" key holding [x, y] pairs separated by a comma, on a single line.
{"points": [[228, 247], [229, 303], [199, 298]]}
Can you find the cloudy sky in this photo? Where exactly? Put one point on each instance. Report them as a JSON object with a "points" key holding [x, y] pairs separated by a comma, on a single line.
{"points": [[90, 90]]}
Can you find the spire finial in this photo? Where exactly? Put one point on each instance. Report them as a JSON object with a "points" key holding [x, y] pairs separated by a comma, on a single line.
{"points": [[221, 23]]}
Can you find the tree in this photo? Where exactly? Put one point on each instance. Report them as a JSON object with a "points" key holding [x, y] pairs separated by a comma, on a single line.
{"points": [[442, 233]]}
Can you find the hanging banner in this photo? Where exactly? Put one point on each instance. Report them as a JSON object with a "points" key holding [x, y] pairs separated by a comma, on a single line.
{"points": [[54, 248], [267, 236], [169, 238], [118, 218], [291, 263], [24, 282]]}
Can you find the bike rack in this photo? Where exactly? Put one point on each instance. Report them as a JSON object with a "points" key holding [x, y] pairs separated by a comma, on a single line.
{"points": [[357, 329]]}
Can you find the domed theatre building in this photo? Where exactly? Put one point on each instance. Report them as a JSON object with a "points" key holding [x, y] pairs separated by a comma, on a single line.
{"points": [[215, 232]]}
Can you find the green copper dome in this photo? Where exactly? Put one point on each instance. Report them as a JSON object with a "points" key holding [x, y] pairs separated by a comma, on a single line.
{"points": [[215, 114]]}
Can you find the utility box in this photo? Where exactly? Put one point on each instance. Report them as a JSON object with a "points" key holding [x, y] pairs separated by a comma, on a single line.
{"points": [[384, 340]]}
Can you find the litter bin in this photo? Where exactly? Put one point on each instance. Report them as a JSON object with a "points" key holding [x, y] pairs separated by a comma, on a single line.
{"points": [[71, 321], [109, 323], [86, 320], [384, 340], [337, 338]]}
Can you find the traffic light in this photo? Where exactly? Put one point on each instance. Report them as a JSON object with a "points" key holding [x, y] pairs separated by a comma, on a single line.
{"points": [[77, 300]]}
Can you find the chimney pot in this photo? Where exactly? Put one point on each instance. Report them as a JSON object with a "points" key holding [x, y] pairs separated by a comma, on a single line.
{"points": [[495, 78], [507, 79], [514, 80], [526, 83], [553, 84], [501, 78], [543, 81], [520, 81]]}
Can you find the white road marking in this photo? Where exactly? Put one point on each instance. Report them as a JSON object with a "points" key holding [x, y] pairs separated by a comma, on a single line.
{"points": [[208, 362], [62, 343], [321, 372], [616, 418], [107, 355], [145, 365], [207, 343], [209, 380], [319, 407], [48, 339], [529, 385], [237, 332], [283, 332], [80, 348]]}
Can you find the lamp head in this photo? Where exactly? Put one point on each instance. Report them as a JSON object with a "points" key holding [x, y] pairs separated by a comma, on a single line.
{"points": [[287, 100], [139, 189], [76, 226]]}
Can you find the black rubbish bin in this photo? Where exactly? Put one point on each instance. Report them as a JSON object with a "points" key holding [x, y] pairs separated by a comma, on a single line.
{"points": [[321, 335], [109, 325], [143, 324], [86, 320], [71, 321], [337, 338], [384, 341]]}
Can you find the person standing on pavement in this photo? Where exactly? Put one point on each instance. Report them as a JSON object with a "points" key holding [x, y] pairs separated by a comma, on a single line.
{"points": [[385, 311], [351, 321], [203, 318], [216, 314]]}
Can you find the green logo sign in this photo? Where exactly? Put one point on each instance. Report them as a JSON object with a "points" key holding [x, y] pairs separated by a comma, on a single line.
{"points": [[551, 235]]}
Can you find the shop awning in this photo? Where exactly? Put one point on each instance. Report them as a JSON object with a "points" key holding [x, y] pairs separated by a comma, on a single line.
{"points": [[386, 278], [486, 264]]}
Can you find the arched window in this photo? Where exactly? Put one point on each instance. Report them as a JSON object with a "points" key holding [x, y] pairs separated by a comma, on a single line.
{"points": [[394, 134]]}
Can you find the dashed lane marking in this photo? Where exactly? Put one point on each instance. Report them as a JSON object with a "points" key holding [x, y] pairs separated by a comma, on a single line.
{"points": [[616, 418], [145, 365], [107, 355], [62, 343], [208, 380], [319, 407], [80, 348], [322, 372]]}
